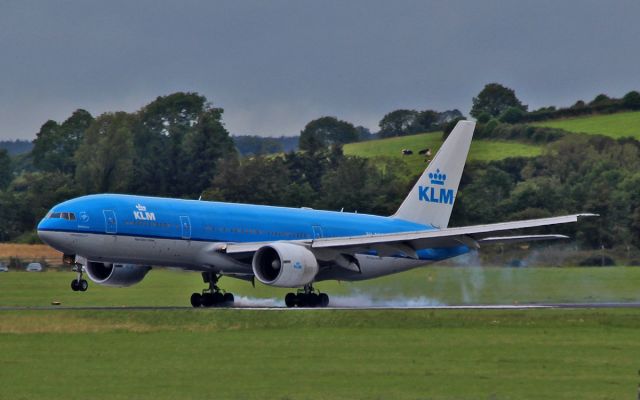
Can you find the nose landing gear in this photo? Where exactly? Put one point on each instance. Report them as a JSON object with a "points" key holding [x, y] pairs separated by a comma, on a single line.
{"points": [[307, 297], [213, 296], [78, 284]]}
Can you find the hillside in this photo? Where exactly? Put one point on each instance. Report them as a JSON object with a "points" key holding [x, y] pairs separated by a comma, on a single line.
{"points": [[625, 124], [485, 150]]}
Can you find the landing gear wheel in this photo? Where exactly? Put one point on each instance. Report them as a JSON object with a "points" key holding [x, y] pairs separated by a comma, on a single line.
{"points": [[196, 300], [306, 297], [79, 284], [228, 299], [290, 300], [301, 300], [313, 300], [207, 300], [212, 296], [218, 298], [324, 300]]}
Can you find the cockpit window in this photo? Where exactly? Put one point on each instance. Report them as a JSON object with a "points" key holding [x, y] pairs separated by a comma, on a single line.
{"points": [[63, 215]]}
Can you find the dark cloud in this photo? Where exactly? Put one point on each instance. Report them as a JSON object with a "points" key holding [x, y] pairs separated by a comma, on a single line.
{"points": [[275, 65]]}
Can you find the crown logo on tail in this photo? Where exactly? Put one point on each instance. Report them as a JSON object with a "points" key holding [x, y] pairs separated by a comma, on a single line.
{"points": [[437, 178]]}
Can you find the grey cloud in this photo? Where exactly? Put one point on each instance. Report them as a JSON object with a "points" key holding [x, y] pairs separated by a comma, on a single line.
{"points": [[275, 65]]}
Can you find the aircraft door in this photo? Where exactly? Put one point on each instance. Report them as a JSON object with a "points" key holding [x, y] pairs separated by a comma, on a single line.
{"points": [[110, 221], [185, 223], [317, 231]]}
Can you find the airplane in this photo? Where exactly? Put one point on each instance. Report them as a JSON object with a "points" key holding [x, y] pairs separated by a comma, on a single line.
{"points": [[117, 238]]}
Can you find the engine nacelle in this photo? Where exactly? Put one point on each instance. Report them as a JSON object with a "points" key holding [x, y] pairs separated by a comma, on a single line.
{"points": [[284, 265], [119, 275]]}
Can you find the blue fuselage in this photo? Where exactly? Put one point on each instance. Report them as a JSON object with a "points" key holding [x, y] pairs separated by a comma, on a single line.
{"points": [[204, 221]]}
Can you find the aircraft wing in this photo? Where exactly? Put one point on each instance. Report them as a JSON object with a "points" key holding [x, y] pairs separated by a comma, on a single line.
{"points": [[409, 242]]}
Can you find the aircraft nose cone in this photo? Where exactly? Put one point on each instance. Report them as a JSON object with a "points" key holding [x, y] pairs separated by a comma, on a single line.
{"points": [[46, 236], [56, 240]]}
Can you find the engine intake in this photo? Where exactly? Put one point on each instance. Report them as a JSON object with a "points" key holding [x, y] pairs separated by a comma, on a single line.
{"points": [[119, 275], [284, 265]]}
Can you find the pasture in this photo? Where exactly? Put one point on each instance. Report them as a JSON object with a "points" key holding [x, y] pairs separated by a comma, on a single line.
{"points": [[484, 150], [625, 124]]}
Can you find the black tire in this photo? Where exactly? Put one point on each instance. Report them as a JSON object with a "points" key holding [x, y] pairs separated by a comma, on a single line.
{"points": [[207, 300], [83, 286], [301, 300], [196, 300], [324, 300], [313, 300], [228, 299], [218, 298], [74, 285], [290, 300]]}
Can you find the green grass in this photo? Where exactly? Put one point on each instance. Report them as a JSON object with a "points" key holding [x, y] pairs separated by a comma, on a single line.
{"points": [[326, 354], [618, 125], [485, 150], [438, 285], [321, 354]]}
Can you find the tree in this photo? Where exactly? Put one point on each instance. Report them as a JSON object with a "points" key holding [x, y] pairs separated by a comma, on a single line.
{"points": [[397, 123], [55, 145], [364, 133], [358, 185], [512, 115], [257, 145], [258, 180], [599, 100], [105, 156], [632, 100], [425, 121], [5, 169], [494, 99], [325, 131], [204, 145], [159, 130]]}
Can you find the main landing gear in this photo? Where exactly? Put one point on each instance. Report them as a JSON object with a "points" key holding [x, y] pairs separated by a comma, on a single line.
{"points": [[213, 296], [306, 297], [79, 284]]}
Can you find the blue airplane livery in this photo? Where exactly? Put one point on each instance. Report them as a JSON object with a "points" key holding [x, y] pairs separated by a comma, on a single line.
{"points": [[117, 239]]}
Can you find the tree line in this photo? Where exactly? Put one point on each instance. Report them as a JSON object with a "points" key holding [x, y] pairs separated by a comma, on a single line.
{"points": [[178, 146]]}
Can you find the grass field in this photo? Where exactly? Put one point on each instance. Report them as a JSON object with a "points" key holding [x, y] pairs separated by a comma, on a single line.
{"points": [[432, 285], [485, 150], [321, 354], [326, 354], [618, 125]]}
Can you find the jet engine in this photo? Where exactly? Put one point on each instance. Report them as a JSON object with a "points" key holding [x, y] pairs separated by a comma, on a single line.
{"points": [[284, 265], [119, 275]]}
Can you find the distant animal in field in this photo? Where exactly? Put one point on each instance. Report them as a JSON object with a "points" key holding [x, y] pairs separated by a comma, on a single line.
{"points": [[407, 152], [425, 152]]}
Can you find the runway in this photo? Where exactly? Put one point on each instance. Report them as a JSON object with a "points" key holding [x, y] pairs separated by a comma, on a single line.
{"points": [[390, 308]]}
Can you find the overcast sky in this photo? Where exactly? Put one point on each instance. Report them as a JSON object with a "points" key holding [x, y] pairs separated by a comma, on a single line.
{"points": [[275, 65]]}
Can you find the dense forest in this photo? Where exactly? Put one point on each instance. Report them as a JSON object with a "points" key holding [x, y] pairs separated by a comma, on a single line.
{"points": [[178, 146]]}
